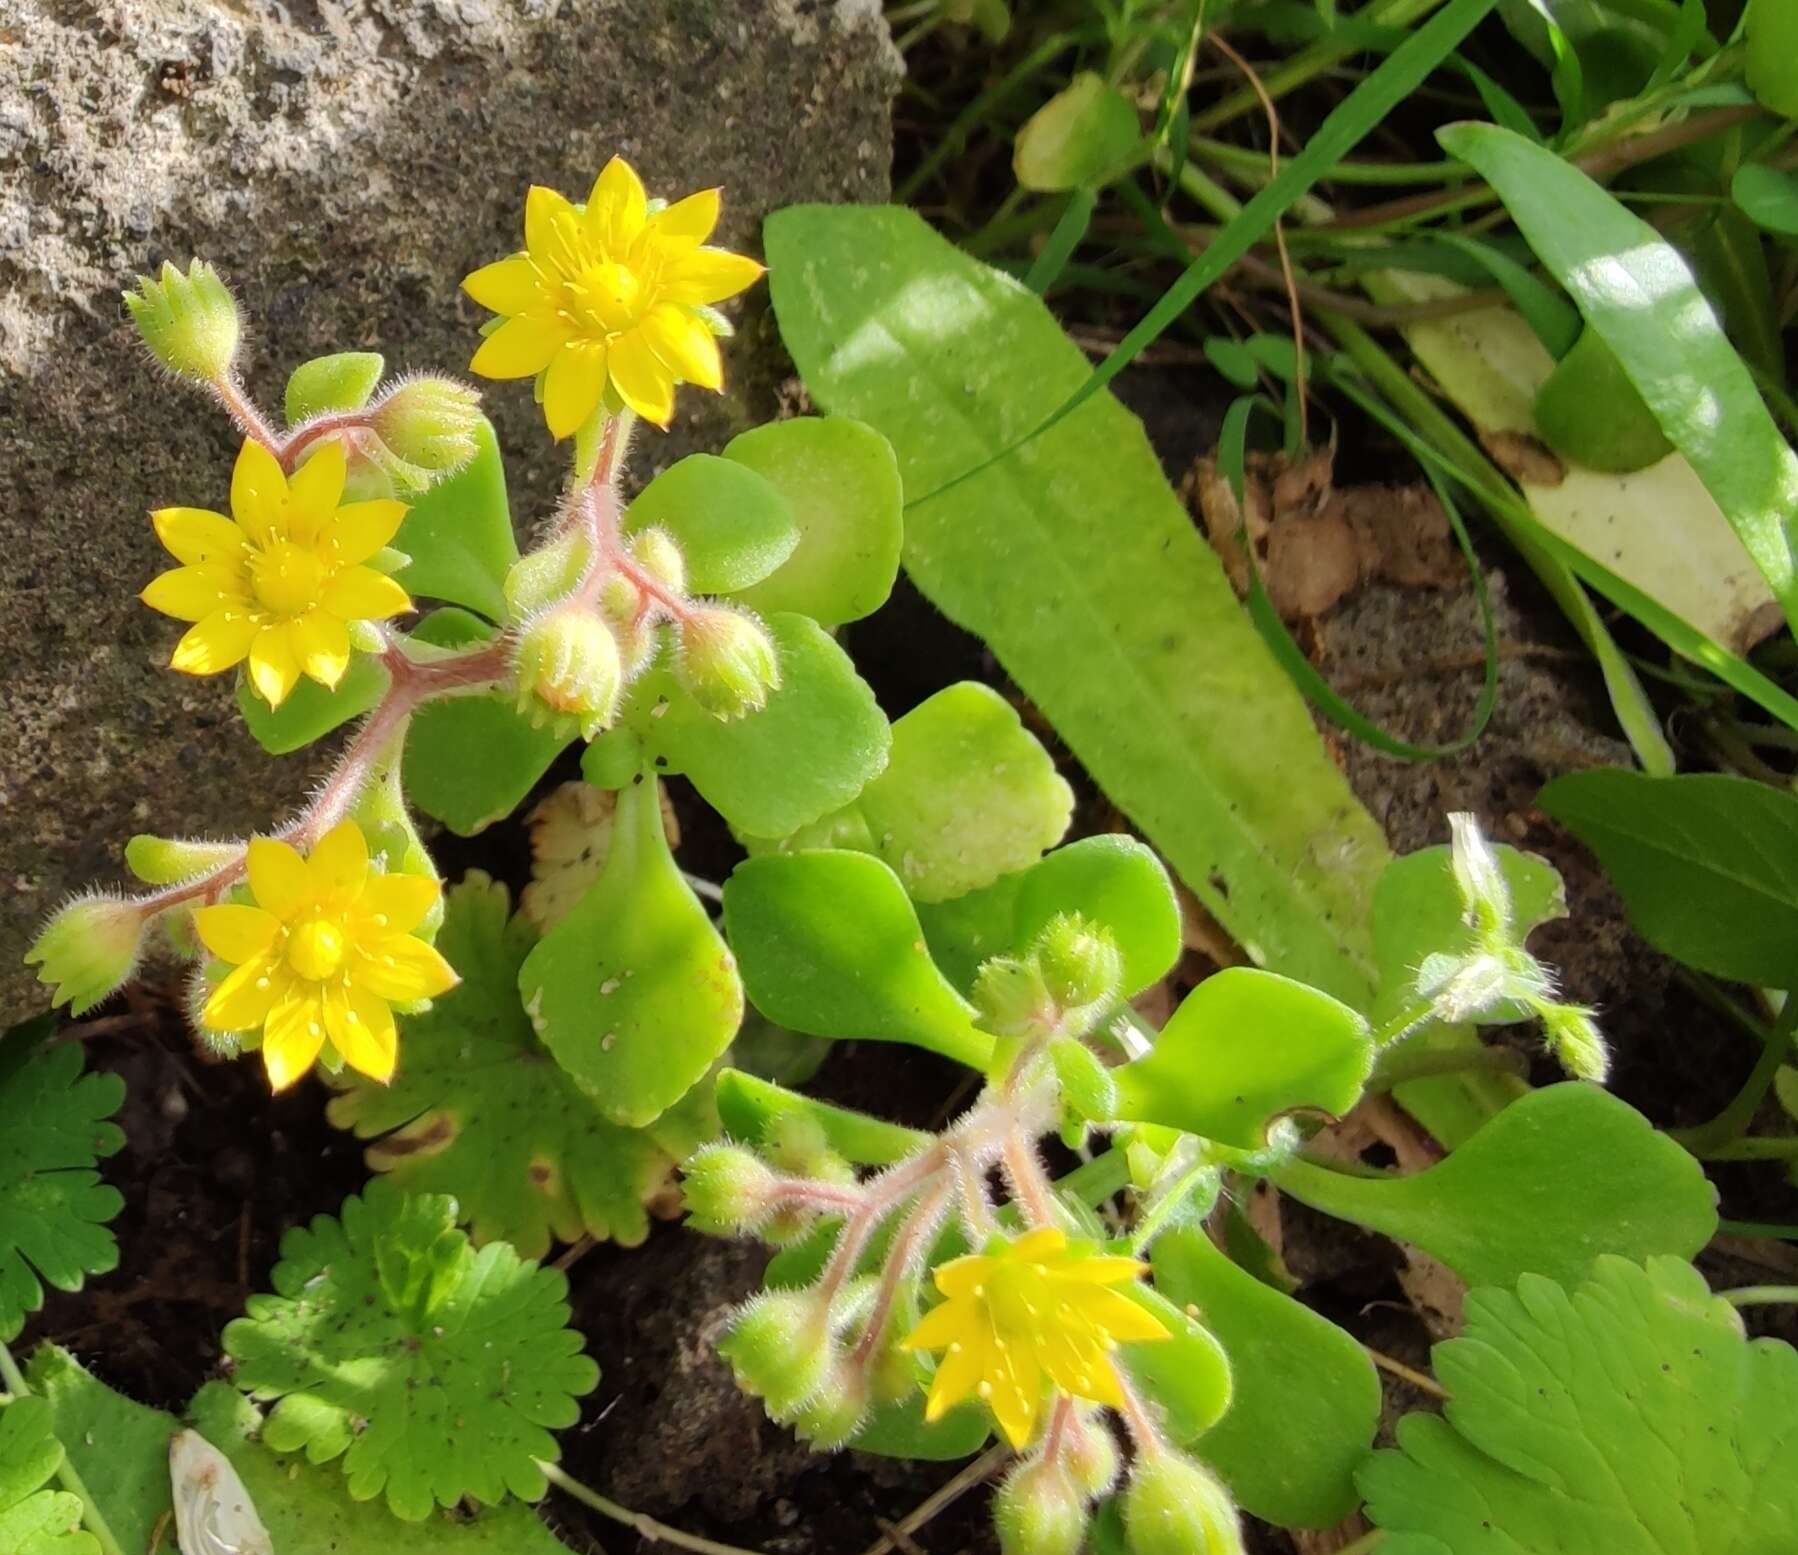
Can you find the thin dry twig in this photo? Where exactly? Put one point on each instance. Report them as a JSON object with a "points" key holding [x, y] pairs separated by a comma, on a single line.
{"points": [[977, 1472]]}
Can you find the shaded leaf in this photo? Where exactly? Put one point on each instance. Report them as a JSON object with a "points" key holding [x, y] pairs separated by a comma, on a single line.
{"points": [[312, 711], [35, 1520]]}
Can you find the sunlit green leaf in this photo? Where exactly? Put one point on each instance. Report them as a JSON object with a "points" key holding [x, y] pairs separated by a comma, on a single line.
{"points": [[327, 383], [459, 535], [311, 711], [1187, 1374], [733, 526]]}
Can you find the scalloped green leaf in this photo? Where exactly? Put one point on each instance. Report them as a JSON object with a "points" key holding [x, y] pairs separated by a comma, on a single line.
{"points": [[829, 943], [480, 1110], [1306, 1402], [459, 534], [1561, 1175], [747, 1106], [35, 1520], [633, 992], [1629, 1415], [53, 1207], [808, 752], [1243, 1048], [312, 711], [342, 381], [841, 479], [733, 526], [434, 1371]]}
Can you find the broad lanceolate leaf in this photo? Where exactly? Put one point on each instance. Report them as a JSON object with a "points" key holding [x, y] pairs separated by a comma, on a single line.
{"points": [[1629, 1415], [1076, 562], [1636, 291], [1707, 864], [434, 1371], [634, 993], [480, 1110], [1306, 1400], [733, 526], [842, 482], [459, 535], [829, 943], [53, 1206], [1560, 1176], [35, 1520], [1244, 1047]]}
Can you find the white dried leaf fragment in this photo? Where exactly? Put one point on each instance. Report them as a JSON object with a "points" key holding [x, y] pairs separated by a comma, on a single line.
{"points": [[213, 1512]]}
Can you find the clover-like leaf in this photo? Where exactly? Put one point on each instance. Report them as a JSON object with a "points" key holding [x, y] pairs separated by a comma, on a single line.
{"points": [[35, 1520], [434, 1371], [53, 1206], [481, 1111], [1628, 1415]]}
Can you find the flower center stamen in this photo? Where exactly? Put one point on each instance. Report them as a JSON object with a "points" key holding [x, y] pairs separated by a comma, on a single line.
{"points": [[287, 578], [316, 949]]}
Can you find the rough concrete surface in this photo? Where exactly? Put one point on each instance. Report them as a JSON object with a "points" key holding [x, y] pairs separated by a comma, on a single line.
{"points": [[343, 163]]}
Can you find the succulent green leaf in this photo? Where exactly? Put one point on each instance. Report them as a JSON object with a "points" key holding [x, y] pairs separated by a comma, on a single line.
{"points": [[343, 381], [1075, 561], [842, 482], [312, 711], [733, 526], [35, 1520], [807, 753], [459, 534], [1187, 1374], [1704, 863], [1084, 133], [1561, 1175], [481, 1111], [1628, 1415], [1244, 1047], [471, 760], [53, 1207], [434, 1371], [1306, 1401], [633, 993], [829, 943], [900, 1431], [747, 1106]]}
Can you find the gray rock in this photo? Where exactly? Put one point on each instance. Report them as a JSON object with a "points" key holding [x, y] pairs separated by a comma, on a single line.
{"points": [[343, 163]]}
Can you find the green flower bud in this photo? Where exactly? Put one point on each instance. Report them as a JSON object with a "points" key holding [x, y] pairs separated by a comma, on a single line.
{"points": [[165, 860], [1090, 1453], [1574, 1038], [780, 1350], [189, 322], [566, 667], [87, 950], [727, 1189], [798, 1145], [1011, 998], [656, 553], [1039, 1510], [834, 1414], [1082, 965], [543, 576], [429, 424], [1485, 895], [725, 661], [1175, 1506], [1087, 1088]]}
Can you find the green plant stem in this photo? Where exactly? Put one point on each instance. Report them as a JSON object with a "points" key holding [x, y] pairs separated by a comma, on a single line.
{"points": [[1761, 1295], [1758, 1228], [91, 1516], [1729, 1125], [1366, 1543], [645, 1526], [1756, 1148], [1250, 161]]}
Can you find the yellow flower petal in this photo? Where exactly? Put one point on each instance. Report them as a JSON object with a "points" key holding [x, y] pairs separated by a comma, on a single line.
{"points": [[214, 643], [1013, 1390], [519, 348], [192, 593], [690, 220], [274, 663], [361, 1029], [323, 644], [314, 490], [235, 931], [397, 904], [549, 222], [196, 535], [617, 207], [1114, 1315], [957, 1379], [1045, 1242], [684, 344], [573, 385], [362, 594], [940, 1327], [642, 381], [358, 529], [960, 1276], [1101, 1270], [506, 286], [242, 1001], [278, 878], [258, 492], [338, 865], [403, 968], [292, 1036], [710, 275]]}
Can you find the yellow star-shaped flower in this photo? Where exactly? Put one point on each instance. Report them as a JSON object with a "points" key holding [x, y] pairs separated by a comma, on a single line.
{"points": [[1035, 1311], [607, 296], [322, 955], [281, 580]]}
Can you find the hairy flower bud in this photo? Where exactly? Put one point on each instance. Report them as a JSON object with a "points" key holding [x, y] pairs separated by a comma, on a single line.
{"points": [[1081, 963], [1574, 1038], [1485, 894], [727, 1189], [1039, 1510], [566, 666], [657, 554], [833, 1414], [541, 577], [87, 950], [1175, 1506], [429, 423], [725, 660], [164, 860], [189, 321], [1090, 1452], [779, 1349], [1011, 998]]}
